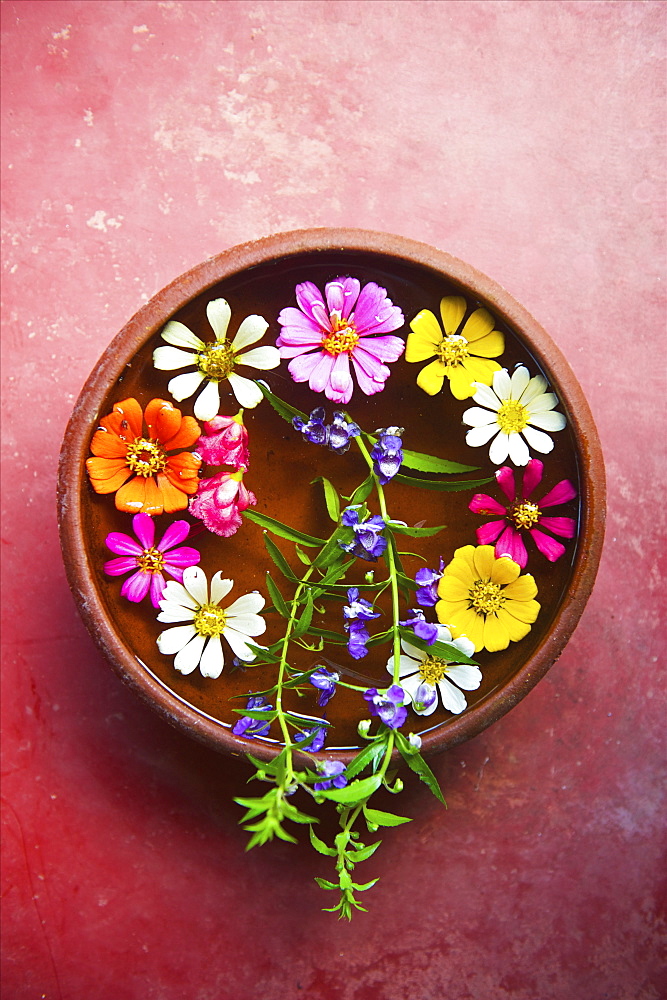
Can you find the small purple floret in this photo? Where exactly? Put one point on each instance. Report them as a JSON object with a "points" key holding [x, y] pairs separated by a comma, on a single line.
{"points": [[369, 542], [312, 739], [428, 579], [248, 726], [325, 681], [388, 705], [421, 628], [387, 453], [336, 435], [333, 771]]}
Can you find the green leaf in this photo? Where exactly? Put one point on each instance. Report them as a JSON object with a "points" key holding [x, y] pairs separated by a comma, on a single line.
{"points": [[286, 411], [445, 650], [331, 549], [356, 792], [363, 853], [362, 491], [263, 714], [320, 846], [451, 486], [279, 559], [326, 884], [331, 498], [380, 818], [303, 556], [304, 621], [283, 530], [402, 529], [368, 757], [364, 887], [277, 598], [328, 636], [417, 763], [429, 463]]}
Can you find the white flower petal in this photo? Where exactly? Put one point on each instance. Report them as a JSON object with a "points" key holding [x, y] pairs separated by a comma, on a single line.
{"points": [[444, 635], [187, 659], [545, 401], [476, 416], [167, 359], [250, 331], [172, 640], [535, 388], [499, 449], [219, 588], [175, 613], [194, 581], [550, 420], [412, 685], [466, 646], [538, 440], [175, 593], [502, 384], [518, 450], [249, 604], [520, 379], [219, 314], [485, 396], [184, 385], [260, 357], [465, 675], [248, 394], [213, 659], [477, 436], [247, 624], [453, 699], [239, 644], [207, 403], [180, 336]]}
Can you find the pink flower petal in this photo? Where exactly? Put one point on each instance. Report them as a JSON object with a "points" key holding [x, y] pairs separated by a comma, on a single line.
{"points": [[321, 373], [482, 503], [295, 324], [561, 493], [505, 479], [301, 368], [122, 544], [566, 527], [548, 546], [158, 583], [144, 528], [340, 386], [532, 477], [310, 301], [511, 544], [182, 557], [136, 587], [382, 348], [375, 312], [175, 533], [342, 295], [487, 533], [174, 571], [125, 564]]}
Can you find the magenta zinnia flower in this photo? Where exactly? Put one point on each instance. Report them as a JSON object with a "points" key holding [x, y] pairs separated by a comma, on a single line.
{"points": [[522, 514], [220, 502], [322, 337], [147, 559]]}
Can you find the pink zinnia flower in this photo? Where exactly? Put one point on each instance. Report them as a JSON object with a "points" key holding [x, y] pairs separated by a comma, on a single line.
{"points": [[322, 337], [224, 442], [220, 501], [147, 559], [524, 515]]}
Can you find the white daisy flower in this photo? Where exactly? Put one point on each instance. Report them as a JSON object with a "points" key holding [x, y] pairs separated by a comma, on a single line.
{"points": [[423, 675], [512, 410], [197, 644], [215, 362]]}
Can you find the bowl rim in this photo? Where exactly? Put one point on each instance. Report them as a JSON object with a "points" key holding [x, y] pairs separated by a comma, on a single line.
{"points": [[155, 313]]}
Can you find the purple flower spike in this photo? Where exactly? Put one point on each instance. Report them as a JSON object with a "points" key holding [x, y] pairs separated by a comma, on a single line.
{"points": [[336, 435], [356, 613], [421, 628], [369, 542], [387, 453], [148, 562], [325, 681], [247, 726], [388, 705], [333, 771], [312, 739]]}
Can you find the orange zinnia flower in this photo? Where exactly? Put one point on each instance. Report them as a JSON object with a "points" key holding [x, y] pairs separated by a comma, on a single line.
{"points": [[136, 464]]}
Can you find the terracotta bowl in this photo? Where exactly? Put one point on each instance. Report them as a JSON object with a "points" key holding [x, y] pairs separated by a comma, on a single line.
{"points": [[260, 277]]}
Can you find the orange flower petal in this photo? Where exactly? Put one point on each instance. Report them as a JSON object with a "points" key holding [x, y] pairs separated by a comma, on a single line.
{"points": [[106, 442], [181, 471], [153, 498], [130, 497], [188, 433], [173, 498], [129, 410], [107, 476], [163, 420]]}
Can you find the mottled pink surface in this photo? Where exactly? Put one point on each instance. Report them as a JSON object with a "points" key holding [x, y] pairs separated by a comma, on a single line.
{"points": [[523, 137]]}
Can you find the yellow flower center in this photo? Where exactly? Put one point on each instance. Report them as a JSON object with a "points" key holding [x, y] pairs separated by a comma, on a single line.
{"points": [[512, 416], [210, 620], [452, 351], [525, 514], [151, 561], [216, 361], [432, 669], [486, 597], [145, 457], [344, 337]]}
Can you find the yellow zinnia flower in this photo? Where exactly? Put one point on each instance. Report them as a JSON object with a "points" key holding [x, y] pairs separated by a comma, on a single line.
{"points": [[486, 599], [461, 357]]}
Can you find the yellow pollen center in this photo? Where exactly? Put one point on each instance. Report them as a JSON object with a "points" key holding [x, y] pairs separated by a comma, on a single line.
{"points": [[145, 457], [216, 361], [486, 597], [151, 561], [512, 416], [525, 514], [344, 337], [210, 620], [452, 351], [432, 669]]}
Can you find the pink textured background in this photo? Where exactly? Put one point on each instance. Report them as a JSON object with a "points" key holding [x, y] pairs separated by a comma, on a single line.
{"points": [[523, 137]]}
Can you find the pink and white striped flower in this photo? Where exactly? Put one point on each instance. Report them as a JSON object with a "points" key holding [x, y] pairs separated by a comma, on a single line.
{"points": [[522, 514], [323, 337], [147, 561]]}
